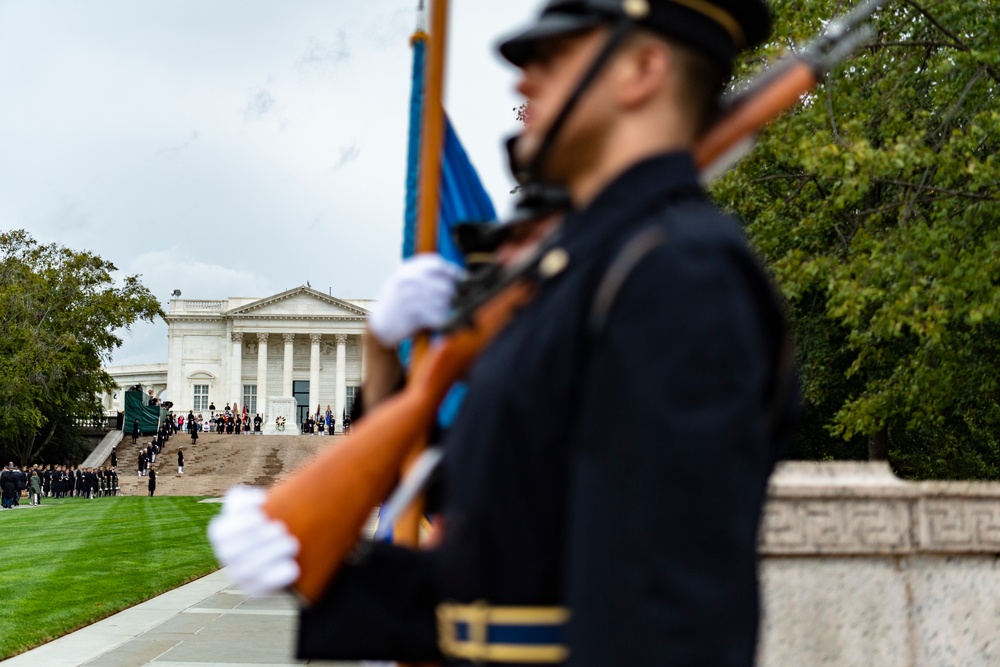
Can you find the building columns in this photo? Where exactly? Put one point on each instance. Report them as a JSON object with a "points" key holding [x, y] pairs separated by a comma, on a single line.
{"points": [[361, 342], [314, 340], [286, 376], [236, 366], [261, 372], [341, 385]]}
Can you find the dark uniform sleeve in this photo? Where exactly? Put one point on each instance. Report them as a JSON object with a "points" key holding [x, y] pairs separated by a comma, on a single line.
{"points": [[380, 608], [671, 464]]}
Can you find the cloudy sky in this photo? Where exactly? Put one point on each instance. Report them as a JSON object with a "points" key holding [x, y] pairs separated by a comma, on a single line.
{"points": [[233, 147]]}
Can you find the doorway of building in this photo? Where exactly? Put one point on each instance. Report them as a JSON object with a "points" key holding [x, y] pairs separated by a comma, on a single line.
{"points": [[300, 391]]}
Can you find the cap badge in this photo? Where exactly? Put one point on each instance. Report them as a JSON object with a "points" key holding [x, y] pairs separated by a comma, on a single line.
{"points": [[635, 9]]}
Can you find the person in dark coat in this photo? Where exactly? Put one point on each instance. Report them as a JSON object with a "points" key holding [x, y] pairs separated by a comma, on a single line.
{"points": [[152, 482], [8, 486], [20, 485], [114, 458], [194, 436], [636, 545], [180, 460], [135, 431]]}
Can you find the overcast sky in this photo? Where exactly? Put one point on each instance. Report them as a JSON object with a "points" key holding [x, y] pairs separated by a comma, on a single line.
{"points": [[233, 147]]}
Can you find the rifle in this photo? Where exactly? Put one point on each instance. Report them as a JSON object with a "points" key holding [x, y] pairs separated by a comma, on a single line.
{"points": [[354, 477]]}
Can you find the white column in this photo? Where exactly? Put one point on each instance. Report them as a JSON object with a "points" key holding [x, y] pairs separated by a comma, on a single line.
{"points": [[261, 373], [236, 365], [341, 396], [314, 339], [177, 389], [364, 366], [286, 376]]}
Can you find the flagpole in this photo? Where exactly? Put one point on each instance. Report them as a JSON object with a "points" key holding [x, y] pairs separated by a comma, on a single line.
{"points": [[407, 529], [432, 130]]}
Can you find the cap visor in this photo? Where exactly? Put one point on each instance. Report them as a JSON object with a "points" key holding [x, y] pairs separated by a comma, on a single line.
{"points": [[520, 48]]}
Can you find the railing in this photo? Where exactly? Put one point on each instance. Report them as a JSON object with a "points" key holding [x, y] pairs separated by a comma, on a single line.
{"points": [[191, 304], [96, 423]]}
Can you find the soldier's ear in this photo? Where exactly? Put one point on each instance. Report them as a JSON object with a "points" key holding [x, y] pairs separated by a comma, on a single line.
{"points": [[642, 70]]}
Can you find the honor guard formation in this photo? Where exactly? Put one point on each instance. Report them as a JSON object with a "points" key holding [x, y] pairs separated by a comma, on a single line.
{"points": [[55, 481], [647, 351]]}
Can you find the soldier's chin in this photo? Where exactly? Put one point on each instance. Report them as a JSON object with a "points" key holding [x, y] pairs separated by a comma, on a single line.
{"points": [[525, 149]]}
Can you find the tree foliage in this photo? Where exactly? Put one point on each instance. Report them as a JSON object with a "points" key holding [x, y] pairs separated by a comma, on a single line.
{"points": [[60, 312], [876, 203]]}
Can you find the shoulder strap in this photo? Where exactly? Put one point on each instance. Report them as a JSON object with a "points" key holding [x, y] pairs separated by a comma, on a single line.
{"points": [[637, 248], [632, 253]]}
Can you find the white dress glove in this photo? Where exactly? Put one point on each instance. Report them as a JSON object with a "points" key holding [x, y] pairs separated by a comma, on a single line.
{"points": [[259, 551], [416, 296]]}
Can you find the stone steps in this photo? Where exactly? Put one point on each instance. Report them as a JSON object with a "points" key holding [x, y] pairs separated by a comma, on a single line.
{"points": [[219, 462]]}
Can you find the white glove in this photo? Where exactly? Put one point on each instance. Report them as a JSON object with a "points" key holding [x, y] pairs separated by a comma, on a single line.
{"points": [[416, 296], [259, 551]]}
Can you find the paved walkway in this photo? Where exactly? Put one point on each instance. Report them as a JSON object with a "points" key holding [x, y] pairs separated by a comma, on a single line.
{"points": [[207, 623]]}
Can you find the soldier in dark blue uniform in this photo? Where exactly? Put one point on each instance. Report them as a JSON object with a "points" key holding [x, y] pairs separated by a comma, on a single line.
{"points": [[606, 474]]}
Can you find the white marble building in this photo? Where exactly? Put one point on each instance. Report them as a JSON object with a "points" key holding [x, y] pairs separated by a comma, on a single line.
{"points": [[300, 343]]}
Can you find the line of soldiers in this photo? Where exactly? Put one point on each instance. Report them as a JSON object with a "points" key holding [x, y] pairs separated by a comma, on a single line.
{"points": [[75, 482], [236, 424]]}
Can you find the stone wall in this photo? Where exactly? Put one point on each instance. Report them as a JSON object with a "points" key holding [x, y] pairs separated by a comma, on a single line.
{"points": [[861, 568]]}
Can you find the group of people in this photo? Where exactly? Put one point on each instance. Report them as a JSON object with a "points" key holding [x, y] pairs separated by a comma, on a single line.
{"points": [[233, 423], [146, 461], [323, 423], [56, 481], [168, 427]]}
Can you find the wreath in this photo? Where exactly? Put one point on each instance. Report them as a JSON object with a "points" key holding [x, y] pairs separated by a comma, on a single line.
{"points": [[279, 423]]}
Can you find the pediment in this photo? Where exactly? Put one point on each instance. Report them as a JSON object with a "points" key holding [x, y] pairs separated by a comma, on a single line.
{"points": [[300, 302]]}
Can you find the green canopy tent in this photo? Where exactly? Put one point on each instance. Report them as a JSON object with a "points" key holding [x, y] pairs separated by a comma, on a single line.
{"points": [[137, 407]]}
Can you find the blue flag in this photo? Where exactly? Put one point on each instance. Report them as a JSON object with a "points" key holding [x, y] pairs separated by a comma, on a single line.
{"points": [[462, 197]]}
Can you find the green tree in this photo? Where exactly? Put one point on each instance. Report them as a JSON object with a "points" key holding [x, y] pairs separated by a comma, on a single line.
{"points": [[876, 204], [60, 312]]}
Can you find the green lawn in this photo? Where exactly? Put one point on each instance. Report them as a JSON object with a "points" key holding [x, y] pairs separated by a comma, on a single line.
{"points": [[74, 561]]}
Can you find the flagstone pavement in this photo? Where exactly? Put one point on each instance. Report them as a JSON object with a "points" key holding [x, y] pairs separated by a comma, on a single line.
{"points": [[206, 623]]}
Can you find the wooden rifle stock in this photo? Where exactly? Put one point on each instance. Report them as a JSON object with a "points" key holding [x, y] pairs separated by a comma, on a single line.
{"points": [[748, 117], [326, 502]]}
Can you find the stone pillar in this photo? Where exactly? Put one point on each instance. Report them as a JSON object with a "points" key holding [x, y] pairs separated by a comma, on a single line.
{"points": [[236, 366], [341, 396], [361, 342], [286, 375], [314, 339], [261, 371]]}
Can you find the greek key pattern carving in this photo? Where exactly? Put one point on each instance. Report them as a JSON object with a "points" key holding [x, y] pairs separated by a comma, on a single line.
{"points": [[967, 525], [841, 526]]}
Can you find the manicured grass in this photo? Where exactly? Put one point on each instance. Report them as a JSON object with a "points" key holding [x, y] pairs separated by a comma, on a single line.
{"points": [[74, 561]]}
